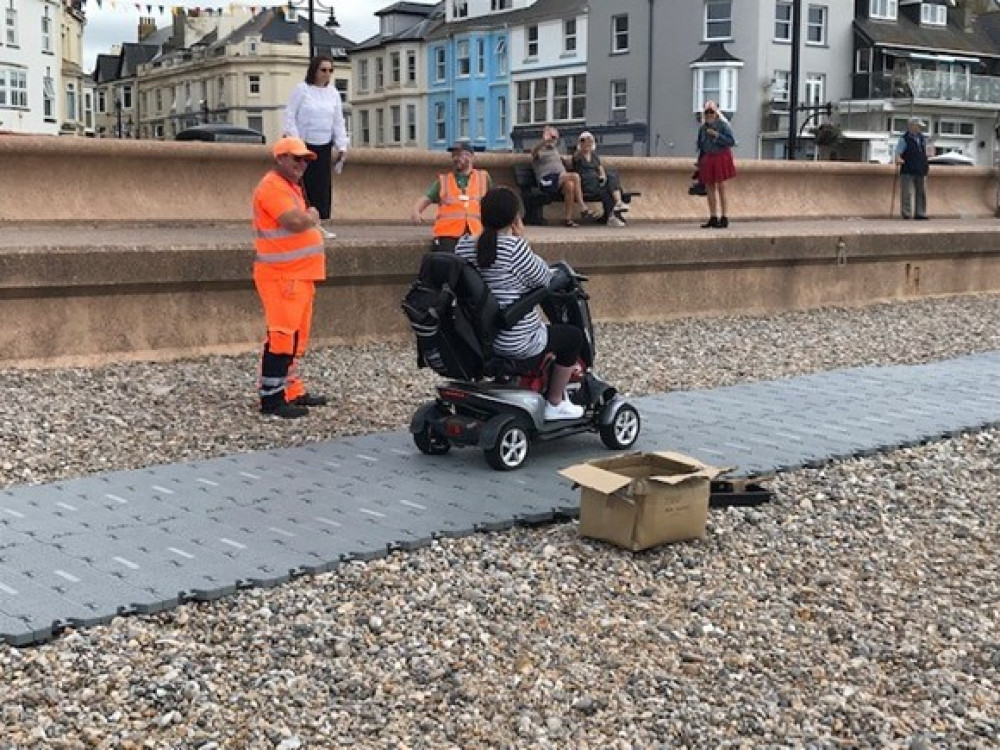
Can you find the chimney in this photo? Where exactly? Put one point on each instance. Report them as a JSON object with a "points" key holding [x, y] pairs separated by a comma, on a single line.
{"points": [[147, 27]]}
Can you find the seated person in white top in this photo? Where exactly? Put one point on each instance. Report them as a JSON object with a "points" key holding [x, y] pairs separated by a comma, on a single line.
{"points": [[315, 114], [510, 269]]}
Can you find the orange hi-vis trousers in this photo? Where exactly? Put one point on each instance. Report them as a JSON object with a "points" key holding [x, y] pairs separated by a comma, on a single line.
{"points": [[288, 309]]}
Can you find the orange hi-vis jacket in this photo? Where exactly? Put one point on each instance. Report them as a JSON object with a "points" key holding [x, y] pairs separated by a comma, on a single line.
{"points": [[459, 213], [282, 253]]}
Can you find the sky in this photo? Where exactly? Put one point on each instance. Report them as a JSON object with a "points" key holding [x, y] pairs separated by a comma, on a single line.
{"points": [[109, 25]]}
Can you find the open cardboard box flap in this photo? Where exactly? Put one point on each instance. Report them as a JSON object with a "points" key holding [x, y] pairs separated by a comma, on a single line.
{"points": [[610, 475]]}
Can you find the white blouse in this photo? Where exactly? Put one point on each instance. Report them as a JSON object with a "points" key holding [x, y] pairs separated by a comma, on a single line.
{"points": [[315, 114]]}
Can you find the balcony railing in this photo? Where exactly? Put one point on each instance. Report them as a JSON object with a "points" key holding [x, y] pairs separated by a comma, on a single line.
{"points": [[930, 84]]}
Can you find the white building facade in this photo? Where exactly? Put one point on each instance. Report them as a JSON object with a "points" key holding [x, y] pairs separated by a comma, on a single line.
{"points": [[30, 66]]}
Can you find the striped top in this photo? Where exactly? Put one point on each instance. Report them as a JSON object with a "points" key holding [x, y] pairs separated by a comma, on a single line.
{"points": [[517, 270]]}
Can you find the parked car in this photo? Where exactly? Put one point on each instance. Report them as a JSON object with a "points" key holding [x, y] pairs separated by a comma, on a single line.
{"points": [[953, 159], [220, 132]]}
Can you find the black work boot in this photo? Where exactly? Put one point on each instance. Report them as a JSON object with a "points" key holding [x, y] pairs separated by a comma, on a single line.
{"points": [[723, 223], [284, 410], [712, 223], [308, 399]]}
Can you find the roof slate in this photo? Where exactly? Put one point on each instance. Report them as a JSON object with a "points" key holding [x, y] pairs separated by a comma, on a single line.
{"points": [[906, 33]]}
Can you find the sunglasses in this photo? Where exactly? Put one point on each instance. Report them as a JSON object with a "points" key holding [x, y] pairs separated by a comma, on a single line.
{"points": [[325, 70], [298, 159]]}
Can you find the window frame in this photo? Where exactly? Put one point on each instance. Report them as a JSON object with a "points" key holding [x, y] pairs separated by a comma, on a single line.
{"points": [[891, 12], [727, 92], [363, 78], [463, 116], [531, 42], [254, 80], [939, 13], [814, 81], [781, 94], [395, 68], [411, 66], [463, 59], [620, 36], [787, 5], [618, 89], [569, 36], [440, 122], [364, 127], [440, 64], [727, 21], [822, 25], [574, 99], [11, 37], [502, 115]]}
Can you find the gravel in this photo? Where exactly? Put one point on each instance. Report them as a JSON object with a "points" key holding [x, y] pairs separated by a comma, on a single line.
{"points": [[858, 609]]}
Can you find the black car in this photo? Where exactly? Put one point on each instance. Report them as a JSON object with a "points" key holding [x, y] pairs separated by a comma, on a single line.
{"points": [[219, 132]]}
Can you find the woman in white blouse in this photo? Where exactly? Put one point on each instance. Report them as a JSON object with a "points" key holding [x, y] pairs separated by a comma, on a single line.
{"points": [[316, 115]]}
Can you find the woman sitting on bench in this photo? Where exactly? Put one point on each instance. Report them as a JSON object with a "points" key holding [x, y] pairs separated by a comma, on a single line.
{"points": [[597, 182], [550, 171]]}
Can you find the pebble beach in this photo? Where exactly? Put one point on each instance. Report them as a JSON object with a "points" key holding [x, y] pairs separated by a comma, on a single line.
{"points": [[859, 609]]}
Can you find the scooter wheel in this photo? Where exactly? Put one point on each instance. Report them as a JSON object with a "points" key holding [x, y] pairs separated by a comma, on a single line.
{"points": [[623, 430], [432, 445], [510, 450]]}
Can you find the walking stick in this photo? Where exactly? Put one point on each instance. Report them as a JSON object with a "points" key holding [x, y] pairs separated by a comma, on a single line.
{"points": [[892, 197]]}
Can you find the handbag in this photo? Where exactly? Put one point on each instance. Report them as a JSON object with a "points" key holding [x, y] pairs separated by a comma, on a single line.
{"points": [[697, 187]]}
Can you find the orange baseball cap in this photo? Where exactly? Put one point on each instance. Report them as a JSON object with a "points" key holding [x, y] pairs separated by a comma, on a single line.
{"points": [[289, 146]]}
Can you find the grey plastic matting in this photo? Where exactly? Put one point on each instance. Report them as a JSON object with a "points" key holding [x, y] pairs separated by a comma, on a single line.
{"points": [[80, 552]]}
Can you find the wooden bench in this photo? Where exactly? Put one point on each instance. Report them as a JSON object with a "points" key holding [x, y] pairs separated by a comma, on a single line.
{"points": [[535, 199]]}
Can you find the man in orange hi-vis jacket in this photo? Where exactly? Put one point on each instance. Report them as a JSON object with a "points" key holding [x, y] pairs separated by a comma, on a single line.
{"points": [[290, 260], [457, 194]]}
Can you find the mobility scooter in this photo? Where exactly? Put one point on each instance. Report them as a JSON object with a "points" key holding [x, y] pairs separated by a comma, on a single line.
{"points": [[494, 403]]}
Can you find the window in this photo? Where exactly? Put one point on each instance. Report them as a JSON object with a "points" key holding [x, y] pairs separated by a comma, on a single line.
{"points": [[11, 27], [379, 126], [379, 73], [102, 101], [440, 125], [395, 69], [48, 97], [480, 57], [532, 101], [886, 9], [569, 36], [782, 21], [252, 43], [718, 19], [569, 97], [816, 25], [46, 32], [362, 75], [531, 45], [815, 89], [255, 120], [480, 119], [411, 66], [933, 15], [718, 84], [71, 112], [779, 86], [159, 100], [501, 117], [253, 85], [957, 127], [411, 123], [88, 110], [366, 133], [496, 5], [395, 121], [222, 91], [501, 57], [460, 8], [619, 33], [463, 118], [619, 96], [127, 97], [462, 58], [863, 60], [440, 68]]}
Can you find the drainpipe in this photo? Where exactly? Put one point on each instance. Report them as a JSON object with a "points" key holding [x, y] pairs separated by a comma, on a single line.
{"points": [[649, 82]]}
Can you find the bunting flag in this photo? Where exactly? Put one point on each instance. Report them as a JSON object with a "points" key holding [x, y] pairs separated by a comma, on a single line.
{"points": [[211, 9]]}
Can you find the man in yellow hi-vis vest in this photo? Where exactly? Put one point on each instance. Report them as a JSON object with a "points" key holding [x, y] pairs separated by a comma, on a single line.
{"points": [[457, 195]]}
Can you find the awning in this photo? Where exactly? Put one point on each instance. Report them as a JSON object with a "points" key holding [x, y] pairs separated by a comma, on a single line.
{"points": [[929, 57]]}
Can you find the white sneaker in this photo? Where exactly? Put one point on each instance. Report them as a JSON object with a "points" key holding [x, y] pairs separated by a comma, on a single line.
{"points": [[621, 206], [614, 221], [565, 410], [328, 234]]}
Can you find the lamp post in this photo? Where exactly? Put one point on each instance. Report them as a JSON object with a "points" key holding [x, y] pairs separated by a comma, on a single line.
{"points": [[793, 80], [311, 5]]}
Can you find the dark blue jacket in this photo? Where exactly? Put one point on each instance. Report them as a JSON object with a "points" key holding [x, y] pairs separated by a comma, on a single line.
{"points": [[709, 145], [914, 154]]}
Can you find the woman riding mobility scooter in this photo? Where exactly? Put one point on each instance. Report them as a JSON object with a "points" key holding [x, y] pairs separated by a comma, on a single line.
{"points": [[496, 403]]}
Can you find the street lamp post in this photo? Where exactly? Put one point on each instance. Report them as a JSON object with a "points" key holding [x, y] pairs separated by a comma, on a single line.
{"points": [[793, 80], [331, 21]]}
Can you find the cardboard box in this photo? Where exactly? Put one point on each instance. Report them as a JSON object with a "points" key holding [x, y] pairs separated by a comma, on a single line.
{"points": [[639, 500]]}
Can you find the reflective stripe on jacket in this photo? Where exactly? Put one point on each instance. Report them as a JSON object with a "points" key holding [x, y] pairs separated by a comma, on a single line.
{"points": [[459, 213], [282, 252]]}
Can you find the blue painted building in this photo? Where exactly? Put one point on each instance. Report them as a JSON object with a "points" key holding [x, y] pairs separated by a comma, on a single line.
{"points": [[468, 87]]}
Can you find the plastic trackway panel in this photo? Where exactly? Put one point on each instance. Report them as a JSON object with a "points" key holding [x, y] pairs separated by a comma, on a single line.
{"points": [[80, 552]]}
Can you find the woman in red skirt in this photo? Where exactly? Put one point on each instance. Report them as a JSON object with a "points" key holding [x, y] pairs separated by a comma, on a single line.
{"points": [[715, 163]]}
